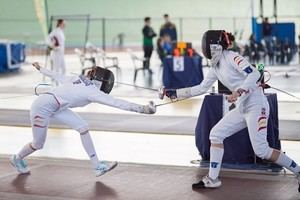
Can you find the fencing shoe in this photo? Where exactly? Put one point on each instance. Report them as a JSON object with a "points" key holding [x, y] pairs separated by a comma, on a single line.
{"points": [[207, 182], [104, 167], [19, 164]]}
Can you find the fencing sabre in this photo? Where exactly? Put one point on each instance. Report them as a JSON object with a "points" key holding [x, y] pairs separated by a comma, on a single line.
{"points": [[265, 86]]}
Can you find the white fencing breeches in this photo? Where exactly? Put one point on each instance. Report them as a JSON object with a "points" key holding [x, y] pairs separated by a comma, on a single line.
{"points": [[42, 110], [255, 117], [58, 62]]}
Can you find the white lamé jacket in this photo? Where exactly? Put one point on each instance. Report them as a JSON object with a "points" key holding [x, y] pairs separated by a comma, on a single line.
{"points": [[78, 91]]}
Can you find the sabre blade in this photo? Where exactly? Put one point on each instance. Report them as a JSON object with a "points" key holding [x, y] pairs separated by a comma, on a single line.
{"points": [[170, 102], [211, 92], [137, 86], [285, 92]]}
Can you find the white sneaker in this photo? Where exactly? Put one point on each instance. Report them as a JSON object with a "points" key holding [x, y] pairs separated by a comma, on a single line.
{"points": [[104, 167], [19, 164], [207, 182]]}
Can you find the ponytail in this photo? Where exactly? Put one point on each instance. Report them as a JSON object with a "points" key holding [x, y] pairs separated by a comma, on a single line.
{"points": [[231, 37]]}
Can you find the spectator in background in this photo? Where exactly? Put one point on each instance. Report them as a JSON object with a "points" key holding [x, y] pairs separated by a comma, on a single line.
{"points": [[271, 51], [159, 49], [254, 55], [299, 48], [167, 44], [56, 42], [286, 51], [267, 28], [233, 46], [168, 28], [119, 40], [164, 46], [278, 51], [148, 35], [267, 34]]}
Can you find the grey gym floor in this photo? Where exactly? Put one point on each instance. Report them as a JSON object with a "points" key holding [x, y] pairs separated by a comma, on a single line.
{"points": [[74, 179]]}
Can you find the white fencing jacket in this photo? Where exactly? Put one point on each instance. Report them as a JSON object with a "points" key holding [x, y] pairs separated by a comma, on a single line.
{"points": [[78, 91], [233, 71], [58, 33]]}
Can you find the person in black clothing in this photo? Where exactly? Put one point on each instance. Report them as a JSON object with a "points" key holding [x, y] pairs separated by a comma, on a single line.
{"points": [[267, 36], [159, 49], [254, 55], [286, 51], [299, 48], [148, 35], [168, 28], [278, 51], [267, 28]]}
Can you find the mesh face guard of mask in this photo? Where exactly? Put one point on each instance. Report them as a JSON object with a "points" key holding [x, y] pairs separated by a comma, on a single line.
{"points": [[213, 37], [103, 78]]}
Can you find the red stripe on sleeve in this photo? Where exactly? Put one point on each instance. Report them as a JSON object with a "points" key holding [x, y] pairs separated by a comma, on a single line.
{"points": [[239, 61], [261, 118], [235, 58]]}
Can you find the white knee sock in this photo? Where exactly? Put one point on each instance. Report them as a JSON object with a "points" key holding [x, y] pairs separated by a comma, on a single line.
{"points": [[25, 151], [88, 145], [216, 156], [284, 161]]}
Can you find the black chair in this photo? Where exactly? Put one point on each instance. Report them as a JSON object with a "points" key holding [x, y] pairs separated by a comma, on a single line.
{"points": [[140, 64], [114, 62]]}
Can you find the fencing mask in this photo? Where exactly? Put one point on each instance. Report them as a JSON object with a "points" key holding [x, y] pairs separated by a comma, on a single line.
{"points": [[103, 78], [213, 43]]}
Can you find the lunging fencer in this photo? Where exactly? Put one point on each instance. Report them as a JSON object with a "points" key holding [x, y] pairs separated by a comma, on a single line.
{"points": [[74, 91], [252, 108]]}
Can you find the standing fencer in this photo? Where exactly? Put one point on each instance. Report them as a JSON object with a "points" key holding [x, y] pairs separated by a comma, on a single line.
{"points": [[56, 42], [252, 108], [74, 91]]}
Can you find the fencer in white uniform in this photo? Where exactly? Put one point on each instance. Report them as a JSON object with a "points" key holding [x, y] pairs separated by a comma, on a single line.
{"points": [[74, 91], [252, 108], [56, 41]]}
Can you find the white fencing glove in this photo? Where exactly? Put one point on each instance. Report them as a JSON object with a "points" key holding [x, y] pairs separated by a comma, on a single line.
{"points": [[171, 93], [150, 108]]}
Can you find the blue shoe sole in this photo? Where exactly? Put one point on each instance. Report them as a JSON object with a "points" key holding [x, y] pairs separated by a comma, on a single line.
{"points": [[109, 169]]}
